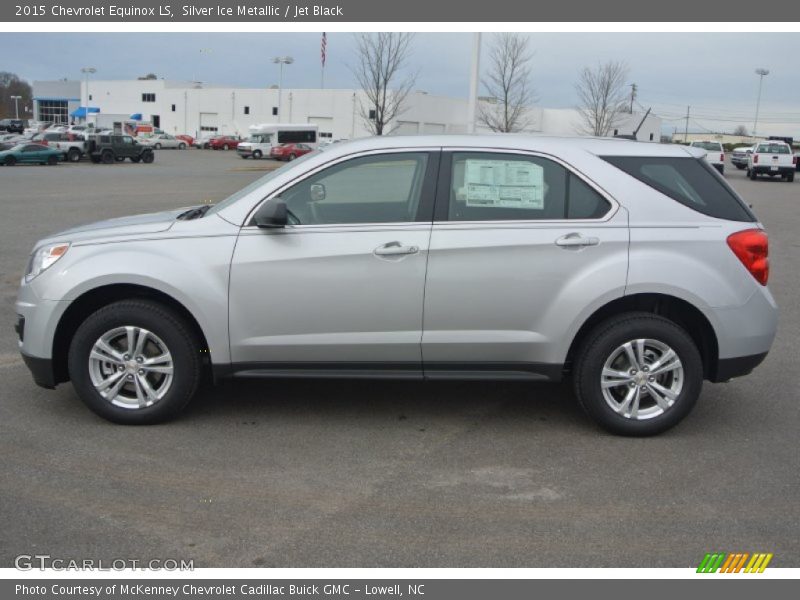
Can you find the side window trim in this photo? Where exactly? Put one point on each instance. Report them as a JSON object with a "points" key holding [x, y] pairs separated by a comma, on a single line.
{"points": [[427, 191], [441, 209]]}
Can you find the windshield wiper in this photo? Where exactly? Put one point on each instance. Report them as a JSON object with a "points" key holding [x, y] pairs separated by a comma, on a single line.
{"points": [[194, 213]]}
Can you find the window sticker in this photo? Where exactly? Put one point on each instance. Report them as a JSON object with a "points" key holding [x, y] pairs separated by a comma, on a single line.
{"points": [[505, 184]]}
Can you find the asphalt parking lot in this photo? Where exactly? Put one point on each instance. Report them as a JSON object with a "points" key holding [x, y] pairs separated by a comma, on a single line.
{"points": [[383, 474]]}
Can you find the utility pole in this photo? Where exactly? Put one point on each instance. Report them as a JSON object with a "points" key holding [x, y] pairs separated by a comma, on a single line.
{"points": [[761, 73], [474, 80], [633, 95], [686, 131]]}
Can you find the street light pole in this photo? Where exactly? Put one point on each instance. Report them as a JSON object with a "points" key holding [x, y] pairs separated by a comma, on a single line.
{"points": [[16, 100], [87, 71], [281, 60], [760, 73]]}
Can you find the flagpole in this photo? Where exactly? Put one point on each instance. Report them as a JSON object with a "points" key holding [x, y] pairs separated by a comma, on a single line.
{"points": [[323, 59]]}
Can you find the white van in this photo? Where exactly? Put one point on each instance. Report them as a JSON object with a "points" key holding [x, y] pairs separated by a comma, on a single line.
{"points": [[263, 137]]}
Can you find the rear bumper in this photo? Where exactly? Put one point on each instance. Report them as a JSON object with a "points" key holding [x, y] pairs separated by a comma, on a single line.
{"points": [[728, 368], [768, 170], [42, 371]]}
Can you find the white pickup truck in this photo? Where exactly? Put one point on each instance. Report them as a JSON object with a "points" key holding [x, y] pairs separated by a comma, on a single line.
{"points": [[772, 158], [73, 146]]}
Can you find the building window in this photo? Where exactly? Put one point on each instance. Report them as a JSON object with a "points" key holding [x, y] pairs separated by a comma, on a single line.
{"points": [[53, 111], [371, 114], [616, 132], [208, 128], [325, 134], [148, 97], [274, 111], [156, 120], [173, 108], [247, 110], [90, 97], [651, 137]]}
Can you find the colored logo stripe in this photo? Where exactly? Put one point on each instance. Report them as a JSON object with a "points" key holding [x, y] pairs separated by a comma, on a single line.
{"points": [[734, 562]]}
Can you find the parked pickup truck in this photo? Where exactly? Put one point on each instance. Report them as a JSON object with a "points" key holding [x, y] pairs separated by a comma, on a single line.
{"points": [[116, 148], [772, 158], [74, 147]]}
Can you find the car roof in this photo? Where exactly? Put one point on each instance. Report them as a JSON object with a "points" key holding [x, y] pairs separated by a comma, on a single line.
{"points": [[534, 143]]}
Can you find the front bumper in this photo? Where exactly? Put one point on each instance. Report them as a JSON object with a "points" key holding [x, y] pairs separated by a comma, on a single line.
{"points": [[42, 371]]}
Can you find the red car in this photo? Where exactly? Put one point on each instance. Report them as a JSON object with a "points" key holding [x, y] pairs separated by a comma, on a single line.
{"points": [[289, 151], [224, 142], [186, 138]]}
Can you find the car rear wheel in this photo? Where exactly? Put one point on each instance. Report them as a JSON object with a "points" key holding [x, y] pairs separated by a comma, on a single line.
{"points": [[181, 146], [292, 157], [638, 374], [225, 147], [135, 362], [74, 155], [751, 174], [157, 146], [10, 161]]}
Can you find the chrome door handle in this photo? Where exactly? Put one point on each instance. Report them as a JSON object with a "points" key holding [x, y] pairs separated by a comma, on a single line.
{"points": [[573, 240], [395, 249]]}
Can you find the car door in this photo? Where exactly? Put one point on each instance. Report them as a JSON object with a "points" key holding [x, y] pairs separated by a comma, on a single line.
{"points": [[522, 247], [33, 153], [340, 289]]}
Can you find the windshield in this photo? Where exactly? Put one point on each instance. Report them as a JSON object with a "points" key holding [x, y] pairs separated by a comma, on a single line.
{"points": [[260, 138], [259, 182], [713, 146]]}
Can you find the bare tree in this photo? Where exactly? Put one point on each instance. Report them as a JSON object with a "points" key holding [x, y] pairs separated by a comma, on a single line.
{"points": [[508, 84], [740, 130], [602, 96], [381, 58]]}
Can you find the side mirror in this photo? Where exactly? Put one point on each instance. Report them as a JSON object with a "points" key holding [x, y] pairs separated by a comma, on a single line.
{"points": [[273, 213], [317, 192]]}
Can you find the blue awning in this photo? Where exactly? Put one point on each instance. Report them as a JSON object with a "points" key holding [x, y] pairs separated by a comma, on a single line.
{"points": [[80, 112], [136, 116]]}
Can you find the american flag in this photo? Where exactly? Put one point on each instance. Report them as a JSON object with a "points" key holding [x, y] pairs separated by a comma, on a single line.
{"points": [[323, 47]]}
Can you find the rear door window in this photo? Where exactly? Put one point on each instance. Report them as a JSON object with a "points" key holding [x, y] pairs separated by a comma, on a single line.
{"points": [[689, 181]]}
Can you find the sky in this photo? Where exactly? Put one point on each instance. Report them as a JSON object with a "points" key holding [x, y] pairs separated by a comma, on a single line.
{"points": [[714, 73]]}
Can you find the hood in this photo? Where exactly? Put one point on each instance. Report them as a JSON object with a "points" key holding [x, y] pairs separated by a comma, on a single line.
{"points": [[121, 226]]}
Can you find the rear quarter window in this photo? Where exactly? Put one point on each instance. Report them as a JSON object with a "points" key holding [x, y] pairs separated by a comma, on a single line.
{"points": [[689, 181]]}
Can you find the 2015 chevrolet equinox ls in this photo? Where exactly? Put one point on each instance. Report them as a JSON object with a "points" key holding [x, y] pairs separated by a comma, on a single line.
{"points": [[632, 267]]}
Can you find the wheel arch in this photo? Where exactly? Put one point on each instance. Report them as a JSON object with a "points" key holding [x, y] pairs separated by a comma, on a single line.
{"points": [[94, 299], [678, 310]]}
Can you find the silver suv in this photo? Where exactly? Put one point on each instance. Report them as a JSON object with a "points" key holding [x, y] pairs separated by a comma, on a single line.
{"points": [[633, 268]]}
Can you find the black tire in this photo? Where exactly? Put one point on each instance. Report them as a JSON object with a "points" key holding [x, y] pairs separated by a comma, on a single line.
{"points": [[10, 161], [740, 167], [95, 159], [181, 146], [157, 146], [751, 174], [74, 155], [291, 157], [164, 323], [107, 157], [225, 147], [135, 159], [790, 177], [257, 154], [148, 157], [52, 160], [599, 346]]}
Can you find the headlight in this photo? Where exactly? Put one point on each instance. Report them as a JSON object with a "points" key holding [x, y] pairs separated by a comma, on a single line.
{"points": [[43, 257]]}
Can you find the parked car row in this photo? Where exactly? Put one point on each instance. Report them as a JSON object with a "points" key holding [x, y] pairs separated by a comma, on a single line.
{"points": [[773, 158]]}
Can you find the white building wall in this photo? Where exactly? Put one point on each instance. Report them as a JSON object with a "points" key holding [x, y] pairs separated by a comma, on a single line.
{"points": [[336, 111]]}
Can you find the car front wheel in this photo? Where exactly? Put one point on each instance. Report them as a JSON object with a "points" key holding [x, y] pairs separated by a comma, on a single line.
{"points": [[638, 374], [135, 362]]}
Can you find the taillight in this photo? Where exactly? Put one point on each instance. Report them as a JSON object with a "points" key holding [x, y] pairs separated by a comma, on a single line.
{"points": [[722, 158], [751, 246], [794, 160], [755, 158]]}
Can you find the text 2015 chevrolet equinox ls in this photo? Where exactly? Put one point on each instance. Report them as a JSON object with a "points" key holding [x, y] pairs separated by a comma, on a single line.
{"points": [[631, 267]]}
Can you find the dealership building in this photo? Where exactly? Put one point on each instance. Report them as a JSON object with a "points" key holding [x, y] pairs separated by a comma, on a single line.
{"points": [[193, 107]]}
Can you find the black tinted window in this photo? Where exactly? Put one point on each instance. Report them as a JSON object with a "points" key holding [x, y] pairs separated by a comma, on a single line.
{"points": [[690, 181]]}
